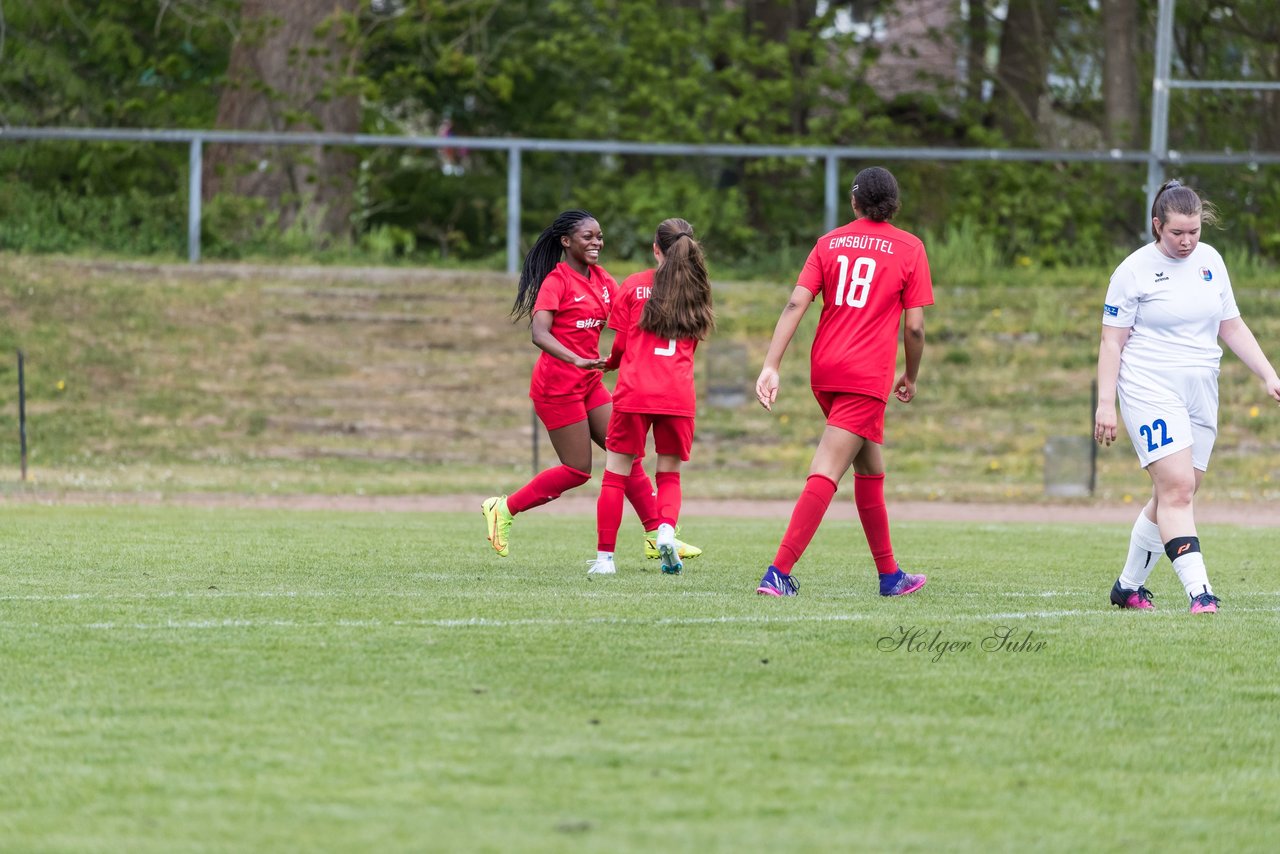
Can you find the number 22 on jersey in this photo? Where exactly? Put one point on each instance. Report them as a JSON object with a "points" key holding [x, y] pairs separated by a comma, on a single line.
{"points": [[854, 284]]}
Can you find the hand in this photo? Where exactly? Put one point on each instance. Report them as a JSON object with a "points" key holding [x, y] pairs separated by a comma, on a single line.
{"points": [[767, 388], [589, 364], [1273, 388], [904, 389], [1104, 424]]}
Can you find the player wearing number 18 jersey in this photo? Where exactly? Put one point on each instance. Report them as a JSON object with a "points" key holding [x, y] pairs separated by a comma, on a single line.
{"points": [[869, 275], [660, 316]]}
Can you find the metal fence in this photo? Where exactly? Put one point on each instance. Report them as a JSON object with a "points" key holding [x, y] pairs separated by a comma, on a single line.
{"points": [[1158, 156], [1157, 159]]}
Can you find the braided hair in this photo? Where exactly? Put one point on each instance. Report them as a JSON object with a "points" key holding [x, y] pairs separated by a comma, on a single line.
{"points": [[875, 192], [680, 304], [542, 259]]}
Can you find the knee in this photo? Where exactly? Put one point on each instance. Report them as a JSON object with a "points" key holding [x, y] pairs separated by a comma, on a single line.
{"points": [[1177, 492], [577, 475], [577, 462]]}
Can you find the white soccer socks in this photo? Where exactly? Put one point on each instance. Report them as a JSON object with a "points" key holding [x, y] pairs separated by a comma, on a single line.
{"points": [[1189, 564], [1145, 548]]}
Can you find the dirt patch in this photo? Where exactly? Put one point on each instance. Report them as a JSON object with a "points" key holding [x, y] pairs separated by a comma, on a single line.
{"points": [[1255, 515]]}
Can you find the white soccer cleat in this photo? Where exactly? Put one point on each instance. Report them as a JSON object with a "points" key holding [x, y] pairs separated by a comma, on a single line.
{"points": [[671, 563], [602, 566]]}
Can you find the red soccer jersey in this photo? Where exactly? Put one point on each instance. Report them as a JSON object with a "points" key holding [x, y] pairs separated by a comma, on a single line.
{"points": [[656, 374], [580, 307], [868, 273]]}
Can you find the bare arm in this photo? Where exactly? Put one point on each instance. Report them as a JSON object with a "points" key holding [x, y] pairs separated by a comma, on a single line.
{"points": [[548, 343], [1236, 334], [1104, 420], [788, 322], [913, 346], [615, 353]]}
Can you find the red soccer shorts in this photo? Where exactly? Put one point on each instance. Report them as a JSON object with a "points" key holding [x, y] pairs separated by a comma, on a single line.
{"points": [[860, 414], [563, 410], [672, 434]]}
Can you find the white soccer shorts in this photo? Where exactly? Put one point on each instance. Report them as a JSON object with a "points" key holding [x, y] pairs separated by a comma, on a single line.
{"points": [[1169, 410]]}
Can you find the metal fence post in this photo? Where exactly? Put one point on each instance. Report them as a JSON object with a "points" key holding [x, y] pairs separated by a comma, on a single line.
{"points": [[1159, 108], [194, 167], [22, 413], [513, 208], [832, 193]]}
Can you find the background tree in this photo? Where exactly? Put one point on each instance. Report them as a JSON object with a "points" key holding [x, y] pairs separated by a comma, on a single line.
{"points": [[1123, 120], [1020, 77], [1216, 40], [977, 40], [112, 63], [1058, 73], [292, 67]]}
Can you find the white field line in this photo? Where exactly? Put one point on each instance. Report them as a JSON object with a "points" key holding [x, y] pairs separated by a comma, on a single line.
{"points": [[303, 594], [419, 594], [585, 622]]}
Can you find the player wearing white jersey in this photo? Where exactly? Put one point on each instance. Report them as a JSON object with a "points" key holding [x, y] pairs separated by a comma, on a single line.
{"points": [[1168, 381], [1167, 305]]}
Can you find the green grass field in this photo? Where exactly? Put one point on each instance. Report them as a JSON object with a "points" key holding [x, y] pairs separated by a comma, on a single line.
{"points": [[215, 680]]}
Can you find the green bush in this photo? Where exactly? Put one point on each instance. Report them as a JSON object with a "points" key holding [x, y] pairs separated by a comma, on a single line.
{"points": [[758, 219], [61, 221]]}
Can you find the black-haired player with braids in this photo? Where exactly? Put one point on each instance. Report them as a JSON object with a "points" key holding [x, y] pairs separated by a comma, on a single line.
{"points": [[566, 295]]}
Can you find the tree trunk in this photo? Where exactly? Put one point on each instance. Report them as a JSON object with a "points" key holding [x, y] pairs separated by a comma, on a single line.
{"points": [[1020, 75], [287, 72], [776, 20], [1123, 118], [1269, 65], [976, 50]]}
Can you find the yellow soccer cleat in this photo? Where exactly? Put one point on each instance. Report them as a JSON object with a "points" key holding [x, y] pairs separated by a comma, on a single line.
{"points": [[497, 519], [683, 550]]}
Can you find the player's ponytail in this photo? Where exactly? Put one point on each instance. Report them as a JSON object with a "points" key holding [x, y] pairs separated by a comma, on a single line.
{"points": [[875, 192], [1174, 197], [680, 305], [542, 259]]}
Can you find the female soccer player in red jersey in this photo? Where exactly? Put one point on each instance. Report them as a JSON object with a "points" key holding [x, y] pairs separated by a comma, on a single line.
{"points": [[660, 316], [870, 275], [567, 303]]}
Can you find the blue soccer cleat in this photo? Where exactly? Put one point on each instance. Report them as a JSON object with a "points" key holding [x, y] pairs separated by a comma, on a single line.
{"points": [[901, 583], [777, 583]]}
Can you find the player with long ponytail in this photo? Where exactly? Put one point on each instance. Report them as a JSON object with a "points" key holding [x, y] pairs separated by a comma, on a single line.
{"points": [[659, 316], [567, 297]]}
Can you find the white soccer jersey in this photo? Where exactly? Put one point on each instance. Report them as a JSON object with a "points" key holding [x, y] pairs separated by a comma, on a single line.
{"points": [[1174, 307]]}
